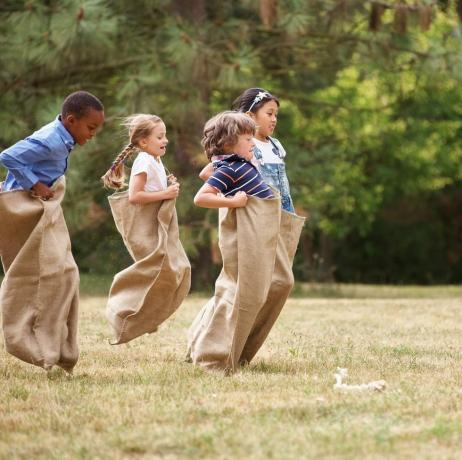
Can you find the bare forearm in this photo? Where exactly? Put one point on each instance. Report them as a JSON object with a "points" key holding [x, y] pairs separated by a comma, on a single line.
{"points": [[210, 200], [143, 197]]}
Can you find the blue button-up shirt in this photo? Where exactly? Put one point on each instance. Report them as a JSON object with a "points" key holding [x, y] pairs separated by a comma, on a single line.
{"points": [[41, 157]]}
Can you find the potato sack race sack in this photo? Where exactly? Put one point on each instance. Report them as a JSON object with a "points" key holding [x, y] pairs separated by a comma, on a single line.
{"points": [[150, 290], [39, 296], [258, 244]]}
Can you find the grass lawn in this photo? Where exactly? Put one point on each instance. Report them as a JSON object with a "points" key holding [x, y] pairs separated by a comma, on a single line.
{"points": [[142, 401]]}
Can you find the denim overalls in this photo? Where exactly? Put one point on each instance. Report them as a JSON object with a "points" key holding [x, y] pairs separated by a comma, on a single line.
{"points": [[274, 174]]}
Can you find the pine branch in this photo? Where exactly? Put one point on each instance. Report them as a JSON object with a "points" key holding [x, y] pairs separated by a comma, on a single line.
{"points": [[340, 39], [25, 80]]}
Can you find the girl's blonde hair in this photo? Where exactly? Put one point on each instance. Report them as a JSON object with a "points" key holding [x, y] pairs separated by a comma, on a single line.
{"points": [[139, 127], [223, 130]]}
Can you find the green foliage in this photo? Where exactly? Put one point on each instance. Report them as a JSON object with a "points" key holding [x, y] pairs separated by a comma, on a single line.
{"points": [[371, 121]]}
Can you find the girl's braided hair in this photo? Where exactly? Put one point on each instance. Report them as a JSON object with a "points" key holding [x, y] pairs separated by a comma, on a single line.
{"points": [[139, 127]]}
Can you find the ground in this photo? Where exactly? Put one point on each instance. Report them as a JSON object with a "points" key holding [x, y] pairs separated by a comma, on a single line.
{"points": [[142, 401]]}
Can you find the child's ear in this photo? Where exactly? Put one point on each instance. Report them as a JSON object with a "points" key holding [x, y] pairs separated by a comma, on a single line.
{"points": [[250, 115], [227, 148], [69, 119]]}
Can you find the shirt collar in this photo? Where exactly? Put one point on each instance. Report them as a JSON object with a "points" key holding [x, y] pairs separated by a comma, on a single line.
{"points": [[65, 135], [234, 157], [222, 157], [228, 159]]}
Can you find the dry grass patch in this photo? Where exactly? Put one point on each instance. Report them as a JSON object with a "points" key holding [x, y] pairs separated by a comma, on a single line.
{"points": [[143, 401]]}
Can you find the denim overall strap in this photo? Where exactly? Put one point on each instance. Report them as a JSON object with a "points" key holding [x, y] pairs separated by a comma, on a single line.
{"points": [[274, 174], [276, 150]]}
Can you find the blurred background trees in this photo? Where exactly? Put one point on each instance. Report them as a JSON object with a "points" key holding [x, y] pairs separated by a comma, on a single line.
{"points": [[370, 117]]}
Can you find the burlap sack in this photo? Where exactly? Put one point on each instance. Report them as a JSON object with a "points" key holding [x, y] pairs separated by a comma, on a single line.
{"points": [[146, 293], [257, 243], [39, 295]]}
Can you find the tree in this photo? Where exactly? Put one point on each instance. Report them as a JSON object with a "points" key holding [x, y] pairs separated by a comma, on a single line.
{"points": [[369, 117]]}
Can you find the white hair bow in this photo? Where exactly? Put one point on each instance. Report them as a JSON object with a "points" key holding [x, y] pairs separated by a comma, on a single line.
{"points": [[258, 98]]}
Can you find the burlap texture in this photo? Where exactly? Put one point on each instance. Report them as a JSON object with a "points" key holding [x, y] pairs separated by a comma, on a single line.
{"points": [[257, 243], [39, 296], [150, 290]]}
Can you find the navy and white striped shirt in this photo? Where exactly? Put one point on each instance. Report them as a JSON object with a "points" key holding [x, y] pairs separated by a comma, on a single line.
{"points": [[234, 174]]}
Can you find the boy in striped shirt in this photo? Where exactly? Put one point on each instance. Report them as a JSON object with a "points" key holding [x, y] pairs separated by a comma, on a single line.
{"points": [[228, 137]]}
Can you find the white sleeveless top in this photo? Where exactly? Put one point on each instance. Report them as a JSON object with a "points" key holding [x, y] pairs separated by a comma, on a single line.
{"points": [[156, 177]]}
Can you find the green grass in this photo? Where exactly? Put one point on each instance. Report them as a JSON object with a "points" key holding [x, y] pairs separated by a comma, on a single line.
{"points": [[372, 291], [142, 401], [99, 285]]}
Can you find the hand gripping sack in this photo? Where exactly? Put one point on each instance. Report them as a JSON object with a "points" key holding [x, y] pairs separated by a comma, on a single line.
{"points": [[39, 295], [257, 243]]}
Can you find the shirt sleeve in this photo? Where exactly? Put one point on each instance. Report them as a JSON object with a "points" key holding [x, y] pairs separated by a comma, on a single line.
{"points": [[140, 165], [20, 157], [222, 179]]}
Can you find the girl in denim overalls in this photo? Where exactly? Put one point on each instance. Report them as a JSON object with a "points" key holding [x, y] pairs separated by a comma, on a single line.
{"points": [[269, 154]]}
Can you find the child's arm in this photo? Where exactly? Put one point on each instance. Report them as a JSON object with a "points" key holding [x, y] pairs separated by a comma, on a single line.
{"points": [[137, 195], [207, 197], [206, 172], [18, 160]]}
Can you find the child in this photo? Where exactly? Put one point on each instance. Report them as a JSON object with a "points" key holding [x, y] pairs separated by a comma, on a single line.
{"points": [[36, 162], [39, 294], [257, 242], [229, 137], [148, 181], [145, 294], [268, 152]]}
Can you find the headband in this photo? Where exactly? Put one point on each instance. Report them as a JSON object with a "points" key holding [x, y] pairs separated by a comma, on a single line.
{"points": [[258, 98]]}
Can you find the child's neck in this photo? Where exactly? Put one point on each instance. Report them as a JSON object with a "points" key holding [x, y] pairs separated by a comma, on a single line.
{"points": [[261, 138], [66, 124], [156, 157]]}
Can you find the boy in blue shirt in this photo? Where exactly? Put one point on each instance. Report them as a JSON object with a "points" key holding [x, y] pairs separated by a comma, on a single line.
{"points": [[36, 162], [39, 293]]}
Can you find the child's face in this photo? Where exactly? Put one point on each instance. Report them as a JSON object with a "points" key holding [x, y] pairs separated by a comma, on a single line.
{"points": [[84, 128], [266, 118], [243, 147], [156, 143]]}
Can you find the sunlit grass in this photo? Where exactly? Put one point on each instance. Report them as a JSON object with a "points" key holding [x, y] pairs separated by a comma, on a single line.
{"points": [[99, 285], [142, 400]]}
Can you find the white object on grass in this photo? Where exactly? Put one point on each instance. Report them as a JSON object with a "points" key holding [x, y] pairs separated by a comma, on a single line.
{"points": [[341, 373]]}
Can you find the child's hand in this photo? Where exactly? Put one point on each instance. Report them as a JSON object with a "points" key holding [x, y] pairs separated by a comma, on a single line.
{"points": [[239, 200], [42, 191], [172, 191], [171, 179]]}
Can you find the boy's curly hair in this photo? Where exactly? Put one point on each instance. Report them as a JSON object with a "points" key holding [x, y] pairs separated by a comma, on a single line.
{"points": [[223, 130]]}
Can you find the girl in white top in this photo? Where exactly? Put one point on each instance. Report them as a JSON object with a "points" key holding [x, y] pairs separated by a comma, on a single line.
{"points": [[146, 293], [148, 180]]}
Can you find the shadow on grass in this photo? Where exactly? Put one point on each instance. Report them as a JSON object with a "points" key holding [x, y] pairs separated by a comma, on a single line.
{"points": [[374, 291], [276, 367], [99, 285]]}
